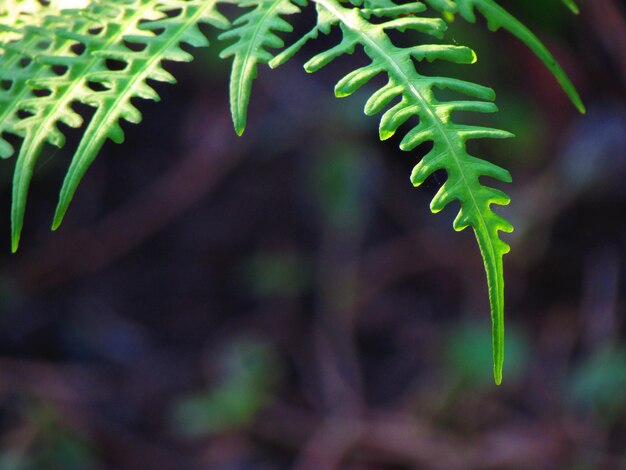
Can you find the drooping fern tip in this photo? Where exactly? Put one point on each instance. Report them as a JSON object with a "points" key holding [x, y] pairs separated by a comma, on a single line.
{"points": [[53, 57]]}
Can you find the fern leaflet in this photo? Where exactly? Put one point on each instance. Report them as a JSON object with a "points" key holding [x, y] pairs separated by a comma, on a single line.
{"points": [[255, 31], [415, 93], [140, 34], [497, 17], [114, 103]]}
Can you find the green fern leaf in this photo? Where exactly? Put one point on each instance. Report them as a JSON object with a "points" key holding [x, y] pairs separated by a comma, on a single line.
{"points": [[497, 17], [255, 31], [114, 103], [413, 94], [108, 30]]}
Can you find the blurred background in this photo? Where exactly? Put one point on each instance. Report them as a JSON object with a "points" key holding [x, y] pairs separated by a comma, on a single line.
{"points": [[286, 300]]}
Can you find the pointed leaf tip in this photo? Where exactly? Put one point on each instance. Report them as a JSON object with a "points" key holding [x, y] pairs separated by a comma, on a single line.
{"points": [[497, 376], [15, 243], [58, 218]]}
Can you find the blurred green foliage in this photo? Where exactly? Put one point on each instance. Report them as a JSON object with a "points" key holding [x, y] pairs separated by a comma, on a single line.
{"points": [[598, 384], [250, 372], [47, 443], [276, 274], [341, 174]]}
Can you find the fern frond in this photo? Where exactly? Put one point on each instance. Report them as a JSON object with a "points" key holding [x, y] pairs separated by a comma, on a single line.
{"points": [[497, 17], [255, 32], [139, 34], [409, 94]]}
